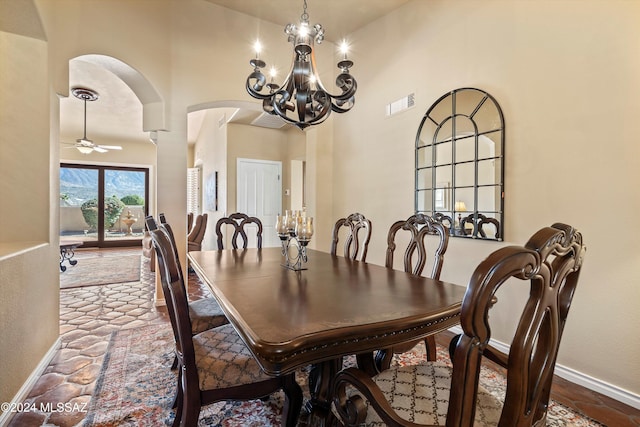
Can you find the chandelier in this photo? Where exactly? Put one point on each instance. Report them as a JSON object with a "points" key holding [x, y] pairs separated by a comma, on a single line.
{"points": [[302, 100]]}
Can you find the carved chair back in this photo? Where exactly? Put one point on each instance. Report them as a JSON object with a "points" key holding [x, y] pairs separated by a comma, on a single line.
{"points": [[239, 222], [419, 226], [446, 220], [358, 234], [550, 261], [479, 221]]}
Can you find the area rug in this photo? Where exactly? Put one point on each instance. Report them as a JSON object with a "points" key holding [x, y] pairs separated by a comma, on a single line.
{"points": [[101, 271], [136, 388]]}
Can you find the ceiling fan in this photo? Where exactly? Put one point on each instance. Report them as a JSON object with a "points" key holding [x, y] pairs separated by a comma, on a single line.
{"points": [[85, 145]]}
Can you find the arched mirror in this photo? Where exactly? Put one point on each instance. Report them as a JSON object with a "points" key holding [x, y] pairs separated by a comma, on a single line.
{"points": [[460, 164]]}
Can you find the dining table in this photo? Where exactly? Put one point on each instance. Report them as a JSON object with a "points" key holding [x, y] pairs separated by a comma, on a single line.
{"points": [[314, 317]]}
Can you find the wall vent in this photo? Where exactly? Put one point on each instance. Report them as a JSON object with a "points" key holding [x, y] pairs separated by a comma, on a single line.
{"points": [[267, 120], [401, 104]]}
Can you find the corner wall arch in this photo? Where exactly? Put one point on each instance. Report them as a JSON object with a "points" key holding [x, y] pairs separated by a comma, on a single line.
{"points": [[153, 106]]}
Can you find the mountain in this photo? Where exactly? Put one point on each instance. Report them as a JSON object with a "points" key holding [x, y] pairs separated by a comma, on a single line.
{"points": [[78, 185]]}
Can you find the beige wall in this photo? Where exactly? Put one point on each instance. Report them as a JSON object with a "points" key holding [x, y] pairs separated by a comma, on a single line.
{"points": [[562, 74], [566, 78], [210, 155], [28, 246]]}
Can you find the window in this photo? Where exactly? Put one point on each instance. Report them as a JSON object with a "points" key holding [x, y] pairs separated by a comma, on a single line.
{"points": [[194, 183], [103, 206]]}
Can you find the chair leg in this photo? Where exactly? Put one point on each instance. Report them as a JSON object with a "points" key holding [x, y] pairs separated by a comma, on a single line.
{"points": [[178, 402], [292, 401], [190, 414], [174, 365], [452, 345], [430, 344]]}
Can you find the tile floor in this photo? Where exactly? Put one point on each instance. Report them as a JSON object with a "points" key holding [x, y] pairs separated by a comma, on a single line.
{"points": [[89, 315]]}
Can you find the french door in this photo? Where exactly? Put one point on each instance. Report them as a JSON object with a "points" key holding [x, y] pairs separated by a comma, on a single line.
{"points": [[103, 206]]}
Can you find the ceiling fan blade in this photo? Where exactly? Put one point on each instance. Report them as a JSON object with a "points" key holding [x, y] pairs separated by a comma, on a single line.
{"points": [[99, 149], [110, 147]]}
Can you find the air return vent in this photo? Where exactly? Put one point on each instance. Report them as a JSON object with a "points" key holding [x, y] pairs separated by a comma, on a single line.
{"points": [[401, 104], [266, 120]]}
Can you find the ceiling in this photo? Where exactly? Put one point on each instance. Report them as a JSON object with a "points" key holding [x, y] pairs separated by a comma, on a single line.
{"points": [[338, 17], [116, 117]]}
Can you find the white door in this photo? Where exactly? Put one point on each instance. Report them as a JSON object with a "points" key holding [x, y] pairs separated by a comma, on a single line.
{"points": [[260, 194]]}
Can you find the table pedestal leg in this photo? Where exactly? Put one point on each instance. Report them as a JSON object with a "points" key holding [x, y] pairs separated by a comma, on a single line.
{"points": [[317, 411]]}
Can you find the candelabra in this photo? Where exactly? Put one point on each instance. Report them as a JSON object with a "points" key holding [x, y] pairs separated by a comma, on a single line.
{"points": [[295, 230]]}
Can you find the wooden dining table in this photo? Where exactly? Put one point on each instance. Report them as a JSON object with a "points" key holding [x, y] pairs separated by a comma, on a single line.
{"points": [[336, 307]]}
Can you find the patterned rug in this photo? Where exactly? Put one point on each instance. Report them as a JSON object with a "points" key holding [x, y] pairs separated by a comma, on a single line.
{"points": [[102, 270], [136, 388]]}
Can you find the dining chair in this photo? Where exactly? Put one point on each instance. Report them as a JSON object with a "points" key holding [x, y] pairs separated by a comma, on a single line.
{"points": [[148, 251], [418, 227], [189, 222], [196, 235], [358, 234], [205, 313], [239, 222], [436, 393], [215, 365]]}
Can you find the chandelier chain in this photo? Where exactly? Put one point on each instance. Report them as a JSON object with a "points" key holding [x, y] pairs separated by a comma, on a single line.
{"points": [[305, 16]]}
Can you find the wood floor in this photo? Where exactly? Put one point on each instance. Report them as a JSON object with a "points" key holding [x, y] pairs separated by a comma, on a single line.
{"points": [[88, 315]]}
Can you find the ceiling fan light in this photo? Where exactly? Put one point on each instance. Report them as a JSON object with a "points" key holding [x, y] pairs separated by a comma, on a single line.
{"points": [[84, 150]]}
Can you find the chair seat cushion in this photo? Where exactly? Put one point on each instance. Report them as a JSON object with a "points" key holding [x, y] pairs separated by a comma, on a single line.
{"points": [[206, 314], [420, 393], [223, 360]]}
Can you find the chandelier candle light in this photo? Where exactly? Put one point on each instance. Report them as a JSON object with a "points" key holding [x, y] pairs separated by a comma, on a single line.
{"points": [[302, 93], [295, 229]]}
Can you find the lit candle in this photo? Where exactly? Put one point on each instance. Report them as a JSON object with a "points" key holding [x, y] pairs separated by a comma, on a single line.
{"points": [[304, 228], [281, 224], [258, 48], [344, 48]]}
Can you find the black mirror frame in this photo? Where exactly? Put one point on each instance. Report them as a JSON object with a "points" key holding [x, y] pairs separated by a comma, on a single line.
{"points": [[444, 123]]}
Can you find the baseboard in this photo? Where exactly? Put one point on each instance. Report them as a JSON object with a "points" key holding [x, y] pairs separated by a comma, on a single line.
{"points": [[21, 395], [586, 381]]}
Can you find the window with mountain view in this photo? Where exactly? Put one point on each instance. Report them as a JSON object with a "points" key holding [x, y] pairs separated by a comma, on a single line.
{"points": [[103, 206]]}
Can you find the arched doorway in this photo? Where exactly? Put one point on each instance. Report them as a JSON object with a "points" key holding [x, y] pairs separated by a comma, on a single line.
{"points": [[114, 183]]}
